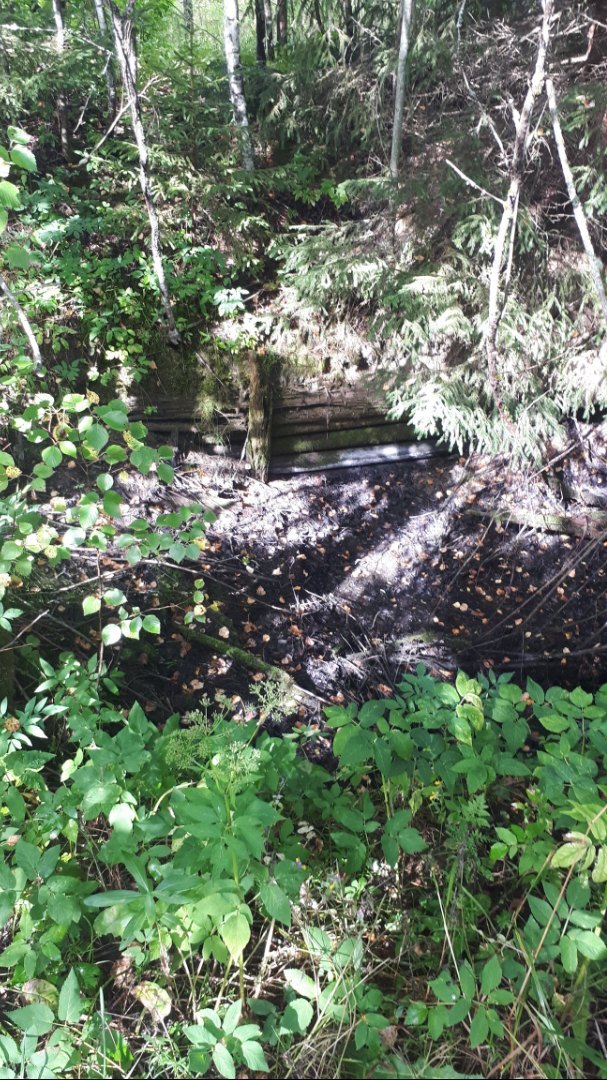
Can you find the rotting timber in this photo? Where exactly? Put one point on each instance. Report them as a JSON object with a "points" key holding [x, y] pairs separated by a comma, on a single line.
{"points": [[294, 428]]}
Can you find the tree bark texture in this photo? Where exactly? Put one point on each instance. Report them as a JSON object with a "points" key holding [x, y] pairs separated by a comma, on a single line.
{"points": [[231, 37], [110, 81], [407, 11], [25, 323], [62, 117], [507, 228], [122, 28], [594, 264], [281, 22]]}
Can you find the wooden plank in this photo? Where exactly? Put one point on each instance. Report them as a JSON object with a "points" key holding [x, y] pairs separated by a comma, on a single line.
{"points": [[359, 457], [376, 435]]}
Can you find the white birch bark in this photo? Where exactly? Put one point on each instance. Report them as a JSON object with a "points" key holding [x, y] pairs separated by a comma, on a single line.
{"points": [[123, 39], [594, 264], [25, 323], [64, 131], [407, 9], [109, 73], [507, 228], [231, 37]]}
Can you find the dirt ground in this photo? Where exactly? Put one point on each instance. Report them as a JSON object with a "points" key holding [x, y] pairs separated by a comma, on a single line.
{"points": [[347, 579]]}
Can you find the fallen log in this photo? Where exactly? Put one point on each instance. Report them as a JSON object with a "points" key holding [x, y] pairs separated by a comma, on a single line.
{"points": [[292, 695], [589, 523]]}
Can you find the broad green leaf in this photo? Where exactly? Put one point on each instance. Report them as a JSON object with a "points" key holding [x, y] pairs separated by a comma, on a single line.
{"points": [[52, 456], [479, 1028], [491, 976], [111, 504], [297, 1017], [416, 1014], [18, 135], [33, 1019], [254, 1057], [276, 902], [111, 634], [9, 195], [90, 605], [569, 958], [232, 1017], [23, 158], [301, 983], [599, 870], [235, 933], [151, 623], [96, 437], [70, 1001], [154, 998], [223, 1061], [589, 944]]}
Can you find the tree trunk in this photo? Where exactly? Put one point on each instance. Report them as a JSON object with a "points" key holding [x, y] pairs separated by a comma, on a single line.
{"points": [[25, 323], [507, 227], [260, 32], [260, 416], [110, 81], [64, 130], [594, 264], [406, 25], [281, 22], [269, 24], [349, 29], [125, 50], [188, 18], [231, 36]]}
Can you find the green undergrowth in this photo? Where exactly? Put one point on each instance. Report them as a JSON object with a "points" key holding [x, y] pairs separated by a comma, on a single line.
{"points": [[205, 899]]}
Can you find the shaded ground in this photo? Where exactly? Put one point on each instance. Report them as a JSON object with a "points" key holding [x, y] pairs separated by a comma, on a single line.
{"points": [[344, 580]]}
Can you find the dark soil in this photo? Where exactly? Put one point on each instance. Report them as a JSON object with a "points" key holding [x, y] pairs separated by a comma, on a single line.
{"points": [[347, 579]]}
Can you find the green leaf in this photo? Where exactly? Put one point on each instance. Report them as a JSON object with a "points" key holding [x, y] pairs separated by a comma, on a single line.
{"points": [[9, 195], [479, 1028], [541, 910], [90, 605], [114, 597], [143, 459], [151, 623], [111, 634], [570, 853], [18, 135], [301, 983], [18, 257], [73, 538], [599, 870], [23, 158], [33, 1019], [96, 437], [276, 902], [235, 933], [165, 473], [411, 841], [105, 481], [254, 1057], [590, 945], [3, 220], [52, 456], [297, 1017], [569, 957], [416, 1014], [27, 857], [111, 504], [491, 976], [223, 1061], [70, 1002]]}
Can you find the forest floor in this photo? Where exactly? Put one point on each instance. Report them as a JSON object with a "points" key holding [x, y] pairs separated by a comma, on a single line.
{"points": [[346, 579]]}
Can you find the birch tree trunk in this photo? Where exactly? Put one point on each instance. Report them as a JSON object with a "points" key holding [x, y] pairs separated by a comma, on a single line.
{"points": [[26, 325], [507, 229], [110, 82], [269, 21], [231, 37], [122, 28], [281, 22], [594, 264], [407, 9], [64, 131]]}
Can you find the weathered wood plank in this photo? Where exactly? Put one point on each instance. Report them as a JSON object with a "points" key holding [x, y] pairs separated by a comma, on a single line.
{"points": [[375, 435], [291, 464]]}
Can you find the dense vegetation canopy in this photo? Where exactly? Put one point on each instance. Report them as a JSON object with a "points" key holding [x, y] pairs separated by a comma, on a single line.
{"points": [[198, 204]]}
